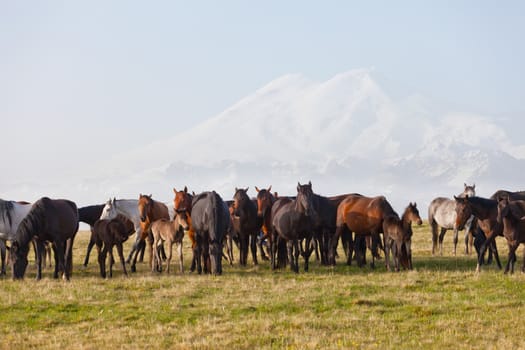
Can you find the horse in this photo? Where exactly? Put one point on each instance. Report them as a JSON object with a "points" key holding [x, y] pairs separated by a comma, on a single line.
{"points": [[510, 216], [182, 202], [49, 220], [171, 232], [129, 209], [11, 214], [249, 224], [210, 220], [265, 202], [293, 220], [442, 214], [149, 211], [486, 212], [91, 214], [106, 234], [368, 216]]}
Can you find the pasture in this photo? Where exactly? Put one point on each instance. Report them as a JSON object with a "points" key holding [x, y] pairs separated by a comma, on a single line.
{"points": [[442, 303]]}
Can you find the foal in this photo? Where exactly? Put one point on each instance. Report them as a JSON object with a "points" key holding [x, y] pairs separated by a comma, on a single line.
{"points": [[106, 234], [171, 232]]}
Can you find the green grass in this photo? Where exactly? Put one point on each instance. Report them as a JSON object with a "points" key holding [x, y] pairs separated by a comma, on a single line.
{"points": [[442, 303]]}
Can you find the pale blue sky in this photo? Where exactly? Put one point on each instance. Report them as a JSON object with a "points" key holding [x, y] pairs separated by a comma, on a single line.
{"points": [[92, 78]]}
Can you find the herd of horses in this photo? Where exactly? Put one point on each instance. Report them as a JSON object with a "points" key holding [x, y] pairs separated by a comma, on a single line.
{"points": [[278, 228]]}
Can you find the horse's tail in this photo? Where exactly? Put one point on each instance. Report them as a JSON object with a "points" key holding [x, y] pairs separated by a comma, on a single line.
{"points": [[433, 227]]}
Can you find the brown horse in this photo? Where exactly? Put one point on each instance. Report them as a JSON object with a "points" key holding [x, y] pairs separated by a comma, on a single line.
{"points": [[509, 215], [265, 201], [149, 211], [403, 244], [249, 224], [182, 202], [171, 232], [370, 216]]}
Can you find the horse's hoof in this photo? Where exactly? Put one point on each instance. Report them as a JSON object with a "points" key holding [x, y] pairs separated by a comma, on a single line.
{"points": [[133, 268]]}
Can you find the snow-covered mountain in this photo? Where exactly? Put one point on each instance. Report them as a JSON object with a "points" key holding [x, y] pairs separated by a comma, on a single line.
{"points": [[345, 135]]}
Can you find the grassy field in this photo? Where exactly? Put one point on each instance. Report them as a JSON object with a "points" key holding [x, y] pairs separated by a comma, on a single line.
{"points": [[442, 303]]}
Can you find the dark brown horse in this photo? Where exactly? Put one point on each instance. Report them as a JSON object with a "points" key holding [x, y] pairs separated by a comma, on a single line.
{"points": [[106, 234], [211, 221], [149, 211], [265, 201], [293, 220], [50, 220], [486, 212], [510, 216], [248, 224], [370, 216], [402, 242]]}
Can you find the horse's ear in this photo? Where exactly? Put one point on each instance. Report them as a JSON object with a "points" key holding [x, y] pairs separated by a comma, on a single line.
{"points": [[298, 185], [276, 195], [456, 198], [185, 189], [415, 205], [257, 189], [270, 188], [473, 186], [150, 195], [174, 190], [193, 193], [465, 185], [310, 183], [246, 190]]}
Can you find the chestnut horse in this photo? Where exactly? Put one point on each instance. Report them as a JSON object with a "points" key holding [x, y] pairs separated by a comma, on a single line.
{"points": [[293, 220], [149, 211], [265, 201], [182, 202], [370, 216], [510, 216]]}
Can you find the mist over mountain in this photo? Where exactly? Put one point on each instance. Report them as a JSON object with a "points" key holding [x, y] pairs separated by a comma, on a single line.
{"points": [[345, 135]]}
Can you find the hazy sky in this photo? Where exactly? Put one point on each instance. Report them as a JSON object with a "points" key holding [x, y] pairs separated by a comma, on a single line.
{"points": [[83, 80]]}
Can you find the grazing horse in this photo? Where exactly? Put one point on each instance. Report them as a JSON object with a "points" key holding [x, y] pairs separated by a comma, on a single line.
{"points": [[49, 220], [106, 234], [248, 224], [510, 215], [486, 212], [368, 216], [11, 214], [293, 220], [211, 221], [442, 214], [171, 232]]}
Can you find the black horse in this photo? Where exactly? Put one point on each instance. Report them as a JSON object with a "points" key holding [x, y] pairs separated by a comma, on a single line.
{"points": [[210, 221], [249, 225], [50, 220], [293, 220], [106, 234]]}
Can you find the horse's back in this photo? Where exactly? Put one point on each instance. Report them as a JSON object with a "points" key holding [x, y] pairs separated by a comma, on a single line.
{"points": [[442, 210], [518, 195], [358, 211], [62, 215]]}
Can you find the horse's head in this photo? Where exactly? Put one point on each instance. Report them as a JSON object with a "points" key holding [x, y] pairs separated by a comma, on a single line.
{"points": [[240, 197], [181, 220], [18, 259], [411, 214], [468, 190], [503, 208], [463, 211], [109, 212], [182, 200], [305, 199], [265, 200], [145, 205]]}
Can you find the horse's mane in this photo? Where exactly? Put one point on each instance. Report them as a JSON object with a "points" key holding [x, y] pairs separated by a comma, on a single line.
{"points": [[198, 197], [5, 209], [34, 222]]}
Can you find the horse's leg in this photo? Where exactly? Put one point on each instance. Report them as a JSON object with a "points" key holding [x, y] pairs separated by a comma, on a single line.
{"points": [[441, 237], [494, 248], [120, 252], [253, 246], [69, 257], [39, 248], [89, 248], [60, 252], [489, 238], [156, 258], [456, 234], [308, 250], [3, 254], [260, 242], [102, 261], [434, 228], [229, 248], [206, 255], [333, 244], [170, 252], [181, 260], [523, 265]]}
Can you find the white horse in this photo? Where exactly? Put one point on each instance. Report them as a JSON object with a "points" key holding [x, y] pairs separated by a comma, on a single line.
{"points": [[11, 214], [442, 214]]}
